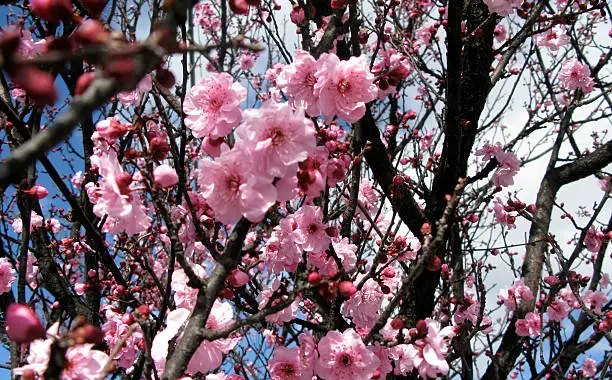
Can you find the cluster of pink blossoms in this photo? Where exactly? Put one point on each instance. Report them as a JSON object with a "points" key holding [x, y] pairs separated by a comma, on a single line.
{"points": [[114, 195], [82, 361], [508, 164], [329, 86], [240, 182]]}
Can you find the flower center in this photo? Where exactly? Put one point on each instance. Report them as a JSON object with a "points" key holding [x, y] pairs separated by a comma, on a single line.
{"points": [[232, 183], [346, 360], [343, 86], [277, 136]]}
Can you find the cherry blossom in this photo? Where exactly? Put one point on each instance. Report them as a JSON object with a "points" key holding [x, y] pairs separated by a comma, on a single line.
{"points": [[343, 87], [529, 326], [232, 190], [7, 275], [345, 356], [575, 75], [213, 106], [277, 138]]}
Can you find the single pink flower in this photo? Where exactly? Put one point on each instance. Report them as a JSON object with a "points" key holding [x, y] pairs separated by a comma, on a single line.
{"points": [[575, 75], [213, 106], [557, 310], [345, 356], [343, 87], [277, 138], [297, 82], [553, 38], [363, 307], [7, 275], [589, 367], [233, 189], [508, 166], [311, 232]]}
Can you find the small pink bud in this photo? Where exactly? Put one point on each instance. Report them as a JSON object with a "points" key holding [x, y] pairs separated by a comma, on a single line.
{"points": [[83, 82], [397, 323], [239, 7], [238, 278], [38, 191], [22, 325], [347, 288], [39, 85], [314, 278]]}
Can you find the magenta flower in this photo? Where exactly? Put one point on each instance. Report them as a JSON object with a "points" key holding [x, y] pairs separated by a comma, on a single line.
{"points": [[233, 189], [553, 38], [344, 356], [589, 367], [575, 75], [343, 87], [22, 324], [213, 106], [285, 365]]}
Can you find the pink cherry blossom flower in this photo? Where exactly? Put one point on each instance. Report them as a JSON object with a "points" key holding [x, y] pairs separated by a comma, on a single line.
{"points": [[589, 367], [114, 196], [277, 138], [501, 216], [509, 165], [232, 189], [593, 240], [488, 151], [343, 87], [428, 354], [345, 356], [502, 7], [363, 307], [184, 295], [557, 310], [7, 275], [165, 176], [311, 232], [529, 326], [115, 331], [297, 81], [517, 292], [213, 106], [575, 75], [594, 300], [77, 180], [553, 38], [82, 361], [246, 61], [425, 33], [281, 252], [285, 365], [500, 33], [132, 98]]}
